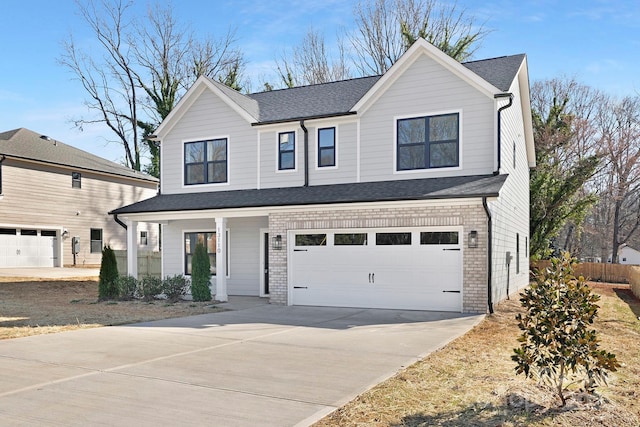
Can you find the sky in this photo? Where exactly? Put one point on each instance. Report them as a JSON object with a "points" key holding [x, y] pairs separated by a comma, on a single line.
{"points": [[597, 42]]}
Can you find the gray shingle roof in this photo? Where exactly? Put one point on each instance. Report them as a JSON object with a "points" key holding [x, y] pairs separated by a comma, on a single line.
{"points": [[338, 98], [328, 99], [414, 189], [25, 144], [500, 72]]}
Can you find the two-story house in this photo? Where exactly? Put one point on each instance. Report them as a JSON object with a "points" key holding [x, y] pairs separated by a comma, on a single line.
{"points": [[408, 190], [55, 201]]}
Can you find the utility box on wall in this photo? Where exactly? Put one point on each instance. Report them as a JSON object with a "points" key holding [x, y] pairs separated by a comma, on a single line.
{"points": [[75, 245]]}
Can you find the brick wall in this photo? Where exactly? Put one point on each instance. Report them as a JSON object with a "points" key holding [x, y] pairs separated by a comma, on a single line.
{"points": [[471, 217]]}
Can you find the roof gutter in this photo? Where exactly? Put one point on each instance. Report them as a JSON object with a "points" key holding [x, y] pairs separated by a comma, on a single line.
{"points": [[504, 107], [294, 119], [306, 153], [489, 256]]}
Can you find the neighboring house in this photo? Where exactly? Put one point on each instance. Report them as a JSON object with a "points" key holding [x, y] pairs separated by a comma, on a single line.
{"points": [[52, 194], [408, 190], [627, 255]]}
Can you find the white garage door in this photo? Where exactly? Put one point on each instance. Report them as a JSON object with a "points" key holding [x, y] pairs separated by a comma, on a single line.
{"points": [[415, 269], [27, 248]]}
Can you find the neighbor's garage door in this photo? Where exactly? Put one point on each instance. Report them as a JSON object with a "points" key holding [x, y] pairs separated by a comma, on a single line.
{"points": [[398, 269], [27, 248]]}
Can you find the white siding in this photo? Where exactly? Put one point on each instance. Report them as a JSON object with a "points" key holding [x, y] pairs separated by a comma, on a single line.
{"points": [[510, 213], [427, 88], [210, 117], [346, 160], [244, 246]]}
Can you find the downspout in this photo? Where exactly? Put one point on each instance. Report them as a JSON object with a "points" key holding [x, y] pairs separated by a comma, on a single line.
{"points": [[306, 153], [504, 107], [489, 256], [119, 221]]}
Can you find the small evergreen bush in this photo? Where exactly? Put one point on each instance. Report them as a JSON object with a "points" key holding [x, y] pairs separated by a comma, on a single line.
{"points": [[200, 274], [108, 284], [127, 286], [174, 287], [149, 288], [558, 344]]}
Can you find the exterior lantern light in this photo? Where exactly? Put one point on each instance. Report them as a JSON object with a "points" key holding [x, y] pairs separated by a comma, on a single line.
{"points": [[473, 239], [276, 243]]}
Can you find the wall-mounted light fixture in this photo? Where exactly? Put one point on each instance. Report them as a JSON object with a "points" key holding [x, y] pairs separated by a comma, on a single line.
{"points": [[473, 239], [276, 243]]}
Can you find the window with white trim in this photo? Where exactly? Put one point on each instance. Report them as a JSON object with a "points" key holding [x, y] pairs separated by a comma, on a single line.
{"points": [[95, 240], [76, 180], [428, 142], [326, 147], [286, 151], [144, 238], [208, 238], [205, 162]]}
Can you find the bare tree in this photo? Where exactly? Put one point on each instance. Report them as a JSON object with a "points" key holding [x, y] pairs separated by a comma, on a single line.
{"points": [[620, 124], [144, 66], [387, 28], [312, 63]]}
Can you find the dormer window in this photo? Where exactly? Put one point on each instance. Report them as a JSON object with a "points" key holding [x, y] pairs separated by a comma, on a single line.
{"points": [[205, 162], [76, 180], [428, 142]]}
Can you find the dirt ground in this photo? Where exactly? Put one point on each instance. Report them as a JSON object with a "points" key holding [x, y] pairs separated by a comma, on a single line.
{"points": [[40, 307], [472, 382]]}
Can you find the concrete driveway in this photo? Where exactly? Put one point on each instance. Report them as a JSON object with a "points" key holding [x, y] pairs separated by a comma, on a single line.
{"points": [[258, 365]]}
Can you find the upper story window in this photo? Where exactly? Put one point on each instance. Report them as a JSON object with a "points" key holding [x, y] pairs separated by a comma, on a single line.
{"points": [[286, 150], [326, 147], [76, 180], [428, 142], [205, 162]]}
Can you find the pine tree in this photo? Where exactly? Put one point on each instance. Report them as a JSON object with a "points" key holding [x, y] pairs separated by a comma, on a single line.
{"points": [[108, 284], [200, 274]]}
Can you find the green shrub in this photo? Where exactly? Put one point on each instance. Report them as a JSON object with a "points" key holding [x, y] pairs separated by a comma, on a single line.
{"points": [[200, 274], [108, 286], [174, 287], [558, 344], [127, 286], [149, 288]]}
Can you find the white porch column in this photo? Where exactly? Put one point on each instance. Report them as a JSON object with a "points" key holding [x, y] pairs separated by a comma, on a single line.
{"points": [[221, 259], [132, 248]]}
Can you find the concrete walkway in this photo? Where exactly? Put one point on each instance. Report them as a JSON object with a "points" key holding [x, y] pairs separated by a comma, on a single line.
{"points": [[50, 272], [258, 365]]}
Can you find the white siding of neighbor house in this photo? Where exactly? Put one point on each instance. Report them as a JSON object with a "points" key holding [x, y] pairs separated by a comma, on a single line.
{"points": [[209, 117], [510, 213], [41, 196], [244, 246], [427, 88]]}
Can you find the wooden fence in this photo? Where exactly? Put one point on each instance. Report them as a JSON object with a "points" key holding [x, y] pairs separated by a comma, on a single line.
{"points": [[599, 271], [149, 263]]}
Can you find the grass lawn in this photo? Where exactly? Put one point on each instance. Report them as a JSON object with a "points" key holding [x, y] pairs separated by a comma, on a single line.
{"points": [[471, 381]]}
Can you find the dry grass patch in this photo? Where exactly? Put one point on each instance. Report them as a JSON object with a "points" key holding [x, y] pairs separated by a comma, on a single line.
{"points": [[472, 382], [31, 307]]}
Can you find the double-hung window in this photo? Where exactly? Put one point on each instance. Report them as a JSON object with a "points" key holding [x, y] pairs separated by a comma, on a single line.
{"points": [[286, 150], [208, 239], [428, 142], [96, 240], [326, 147], [205, 162]]}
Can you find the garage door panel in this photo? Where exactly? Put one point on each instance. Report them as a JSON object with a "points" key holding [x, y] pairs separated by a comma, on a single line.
{"points": [[417, 276], [27, 251]]}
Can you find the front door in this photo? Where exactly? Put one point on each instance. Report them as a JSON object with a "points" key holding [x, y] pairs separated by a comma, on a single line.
{"points": [[266, 264]]}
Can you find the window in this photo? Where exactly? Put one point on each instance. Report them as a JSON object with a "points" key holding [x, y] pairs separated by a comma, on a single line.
{"points": [[76, 180], [526, 247], [205, 162], [439, 238], [286, 150], [326, 147], [48, 233], [208, 238], [514, 154], [311, 240], [517, 253], [428, 142], [350, 239], [96, 240], [393, 238], [25, 232], [8, 231], [144, 238]]}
